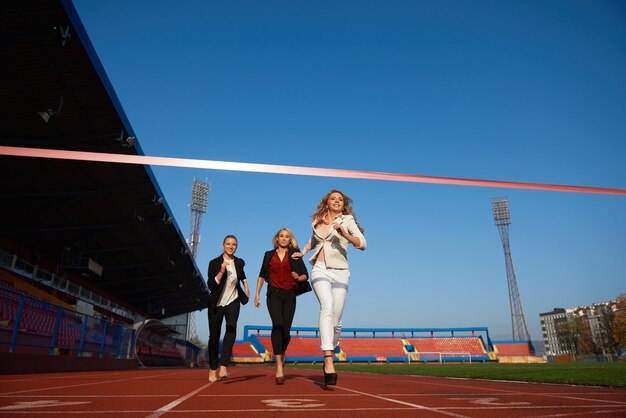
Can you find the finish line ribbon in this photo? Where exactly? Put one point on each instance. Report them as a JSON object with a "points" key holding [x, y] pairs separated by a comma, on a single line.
{"points": [[294, 170]]}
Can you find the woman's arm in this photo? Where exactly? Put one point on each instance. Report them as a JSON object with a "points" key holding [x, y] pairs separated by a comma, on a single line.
{"points": [[259, 286], [298, 277], [350, 231], [299, 254], [216, 272], [243, 273], [245, 287], [299, 271]]}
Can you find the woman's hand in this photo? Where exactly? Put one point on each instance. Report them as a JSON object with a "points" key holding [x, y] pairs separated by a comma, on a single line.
{"points": [[344, 233], [340, 229], [297, 255], [256, 302], [295, 276]]}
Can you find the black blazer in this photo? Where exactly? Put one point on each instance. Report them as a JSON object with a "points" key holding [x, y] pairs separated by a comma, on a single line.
{"points": [[216, 288], [296, 265]]}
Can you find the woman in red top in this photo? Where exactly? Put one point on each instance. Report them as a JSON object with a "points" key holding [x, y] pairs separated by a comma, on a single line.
{"points": [[283, 275]]}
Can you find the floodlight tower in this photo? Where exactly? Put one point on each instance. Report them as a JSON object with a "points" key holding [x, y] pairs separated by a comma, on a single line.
{"points": [[198, 205], [502, 219]]}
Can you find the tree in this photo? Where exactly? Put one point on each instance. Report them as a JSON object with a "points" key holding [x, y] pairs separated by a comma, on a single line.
{"points": [[195, 340], [618, 324], [568, 334], [606, 335], [586, 341]]}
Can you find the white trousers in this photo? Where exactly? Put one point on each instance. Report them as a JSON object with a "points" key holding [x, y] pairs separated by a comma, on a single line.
{"points": [[331, 288]]}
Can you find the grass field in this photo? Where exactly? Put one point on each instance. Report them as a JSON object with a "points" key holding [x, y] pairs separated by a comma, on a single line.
{"points": [[597, 374]]}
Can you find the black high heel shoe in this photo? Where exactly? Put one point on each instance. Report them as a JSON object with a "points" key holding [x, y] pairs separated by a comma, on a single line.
{"points": [[330, 379]]}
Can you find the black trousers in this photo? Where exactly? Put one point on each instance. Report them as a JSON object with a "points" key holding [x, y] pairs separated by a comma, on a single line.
{"points": [[216, 315], [281, 304]]}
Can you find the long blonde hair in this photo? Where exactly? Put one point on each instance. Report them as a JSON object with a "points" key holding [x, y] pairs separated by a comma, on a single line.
{"points": [[293, 244], [322, 208]]}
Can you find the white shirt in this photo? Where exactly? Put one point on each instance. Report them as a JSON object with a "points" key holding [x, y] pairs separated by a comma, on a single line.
{"points": [[229, 294]]}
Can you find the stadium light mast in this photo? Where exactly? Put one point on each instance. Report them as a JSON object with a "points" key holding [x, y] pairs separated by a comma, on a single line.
{"points": [[198, 206], [502, 219]]}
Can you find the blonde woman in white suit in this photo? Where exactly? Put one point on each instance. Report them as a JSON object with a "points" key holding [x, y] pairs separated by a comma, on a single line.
{"points": [[334, 228]]}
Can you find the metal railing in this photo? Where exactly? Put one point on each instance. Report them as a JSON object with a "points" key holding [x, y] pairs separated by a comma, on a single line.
{"points": [[30, 325]]}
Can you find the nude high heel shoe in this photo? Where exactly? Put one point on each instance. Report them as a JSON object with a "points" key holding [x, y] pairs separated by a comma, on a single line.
{"points": [[212, 375]]}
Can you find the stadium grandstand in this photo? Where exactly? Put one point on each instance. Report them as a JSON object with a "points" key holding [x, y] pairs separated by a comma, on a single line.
{"points": [[371, 345], [95, 273], [516, 352], [88, 251]]}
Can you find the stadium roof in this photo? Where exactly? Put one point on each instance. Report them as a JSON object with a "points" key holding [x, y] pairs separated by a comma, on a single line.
{"points": [[83, 215]]}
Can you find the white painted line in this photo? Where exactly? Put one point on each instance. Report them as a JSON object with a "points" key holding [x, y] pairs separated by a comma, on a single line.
{"points": [[493, 408], [486, 394], [89, 396], [525, 394], [65, 376], [489, 401], [286, 395], [416, 406], [578, 398], [88, 384], [574, 413], [177, 402], [109, 412], [216, 411], [237, 411], [38, 404], [318, 410], [291, 404], [412, 405]]}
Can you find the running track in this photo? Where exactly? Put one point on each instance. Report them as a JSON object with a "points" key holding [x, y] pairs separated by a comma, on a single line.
{"points": [[250, 392]]}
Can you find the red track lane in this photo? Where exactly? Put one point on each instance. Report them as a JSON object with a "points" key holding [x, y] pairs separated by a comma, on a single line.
{"points": [[250, 391]]}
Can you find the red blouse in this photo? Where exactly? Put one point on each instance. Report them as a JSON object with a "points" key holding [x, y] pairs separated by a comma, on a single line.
{"points": [[280, 273]]}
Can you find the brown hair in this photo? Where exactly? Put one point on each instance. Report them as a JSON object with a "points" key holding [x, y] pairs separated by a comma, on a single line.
{"points": [[322, 208], [230, 236]]}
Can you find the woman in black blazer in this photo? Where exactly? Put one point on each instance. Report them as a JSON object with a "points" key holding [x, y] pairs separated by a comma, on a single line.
{"points": [[225, 278], [286, 278]]}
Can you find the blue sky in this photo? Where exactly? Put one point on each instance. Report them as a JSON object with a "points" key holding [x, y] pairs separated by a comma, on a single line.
{"points": [[522, 91]]}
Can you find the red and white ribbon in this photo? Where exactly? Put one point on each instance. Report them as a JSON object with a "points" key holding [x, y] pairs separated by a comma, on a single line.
{"points": [[294, 170]]}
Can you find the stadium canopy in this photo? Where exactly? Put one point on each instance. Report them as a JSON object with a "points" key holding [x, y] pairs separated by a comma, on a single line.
{"points": [[109, 222]]}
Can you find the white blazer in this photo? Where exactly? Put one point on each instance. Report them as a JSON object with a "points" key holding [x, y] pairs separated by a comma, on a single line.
{"points": [[335, 246]]}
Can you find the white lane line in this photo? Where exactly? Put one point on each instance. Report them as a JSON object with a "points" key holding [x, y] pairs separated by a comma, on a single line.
{"points": [[412, 405], [216, 411], [489, 408], [109, 412], [237, 411], [88, 384], [525, 394], [286, 395], [38, 404], [66, 376], [417, 406], [578, 398], [88, 396], [177, 402], [575, 413], [486, 394]]}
